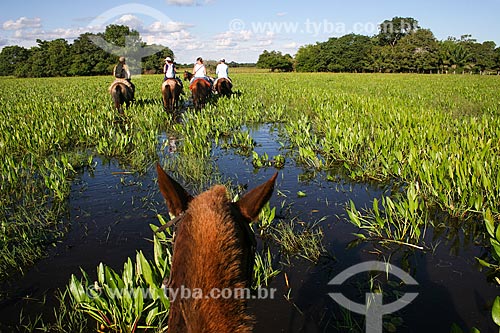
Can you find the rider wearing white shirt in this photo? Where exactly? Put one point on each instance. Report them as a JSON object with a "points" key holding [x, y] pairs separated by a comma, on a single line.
{"points": [[170, 71], [222, 71], [200, 71]]}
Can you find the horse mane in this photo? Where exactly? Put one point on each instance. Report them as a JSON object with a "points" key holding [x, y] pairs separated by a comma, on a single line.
{"points": [[209, 253]]}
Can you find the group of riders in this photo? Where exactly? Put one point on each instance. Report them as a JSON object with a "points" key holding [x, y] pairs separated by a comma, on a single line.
{"points": [[122, 72]]}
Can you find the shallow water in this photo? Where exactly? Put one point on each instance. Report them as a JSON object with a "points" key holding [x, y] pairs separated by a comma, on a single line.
{"points": [[110, 214]]}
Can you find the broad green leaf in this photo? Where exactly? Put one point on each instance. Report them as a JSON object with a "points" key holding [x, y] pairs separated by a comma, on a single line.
{"points": [[138, 302], [495, 311], [77, 290], [100, 274], [375, 207], [496, 246], [127, 301], [361, 236], [490, 223], [146, 271], [128, 273], [151, 316], [159, 254]]}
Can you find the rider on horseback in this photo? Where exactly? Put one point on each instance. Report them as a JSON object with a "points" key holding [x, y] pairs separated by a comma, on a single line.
{"points": [[222, 71], [200, 71], [170, 71], [121, 71]]}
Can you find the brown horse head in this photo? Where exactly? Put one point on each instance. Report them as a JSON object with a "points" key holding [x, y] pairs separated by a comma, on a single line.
{"points": [[200, 90], [170, 91], [187, 76], [213, 251], [122, 92], [224, 87]]}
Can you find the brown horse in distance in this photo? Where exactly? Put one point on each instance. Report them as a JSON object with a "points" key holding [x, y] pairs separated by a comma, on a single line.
{"points": [[200, 90], [214, 250], [224, 87], [122, 92], [171, 91]]}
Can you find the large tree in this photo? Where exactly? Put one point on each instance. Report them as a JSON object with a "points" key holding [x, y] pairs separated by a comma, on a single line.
{"points": [[484, 55], [154, 63], [12, 57], [347, 53], [89, 59], [391, 31], [275, 60], [307, 59], [90, 54], [417, 52]]}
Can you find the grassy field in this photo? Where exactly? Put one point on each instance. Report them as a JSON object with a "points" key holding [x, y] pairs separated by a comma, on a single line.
{"points": [[435, 136], [434, 139]]}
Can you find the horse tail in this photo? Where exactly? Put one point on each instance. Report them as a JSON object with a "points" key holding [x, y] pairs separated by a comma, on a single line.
{"points": [[118, 97], [225, 87], [167, 95]]}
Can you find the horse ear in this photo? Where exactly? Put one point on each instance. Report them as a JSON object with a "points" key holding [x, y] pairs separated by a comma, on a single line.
{"points": [[252, 202], [175, 195]]}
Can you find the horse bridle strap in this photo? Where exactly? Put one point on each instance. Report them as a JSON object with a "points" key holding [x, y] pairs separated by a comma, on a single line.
{"points": [[170, 223]]}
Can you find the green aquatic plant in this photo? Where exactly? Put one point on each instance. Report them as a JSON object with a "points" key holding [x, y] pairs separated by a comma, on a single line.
{"points": [[401, 221], [493, 233], [130, 301], [299, 239], [263, 271]]}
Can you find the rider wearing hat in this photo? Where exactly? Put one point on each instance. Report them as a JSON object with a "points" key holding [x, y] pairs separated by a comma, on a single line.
{"points": [[121, 71], [222, 71], [170, 71]]}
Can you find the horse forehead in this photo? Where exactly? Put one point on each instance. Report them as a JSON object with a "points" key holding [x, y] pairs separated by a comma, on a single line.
{"points": [[214, 199]]}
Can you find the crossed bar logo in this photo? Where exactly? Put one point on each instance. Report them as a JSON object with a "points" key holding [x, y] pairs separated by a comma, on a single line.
{"points": [[374, 308]]}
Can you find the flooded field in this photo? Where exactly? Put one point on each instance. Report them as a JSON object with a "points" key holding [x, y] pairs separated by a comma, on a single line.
{"points": [[330, 179], [110, 210]]}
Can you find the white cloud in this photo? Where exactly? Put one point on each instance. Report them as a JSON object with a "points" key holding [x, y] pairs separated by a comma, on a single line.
{"points": [[225, 43], [266, 42], [187, 2], [33, 34], [22, 23], [243, 35], [281, 14], [131, 21], [169, 27], [292, 45], [195, 46], [175, 39]]}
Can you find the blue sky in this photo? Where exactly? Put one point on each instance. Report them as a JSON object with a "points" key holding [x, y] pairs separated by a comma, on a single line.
{"points": [[239, 31]]}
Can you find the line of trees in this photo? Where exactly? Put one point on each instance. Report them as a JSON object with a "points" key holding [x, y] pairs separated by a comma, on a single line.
{"points": [[401, 46], [81, 58]]}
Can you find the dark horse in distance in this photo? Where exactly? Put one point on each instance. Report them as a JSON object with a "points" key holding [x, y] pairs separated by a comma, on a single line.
{"points": [[171, 91], [122, 92], [214, 249], [224, 87], [200, 90]]}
